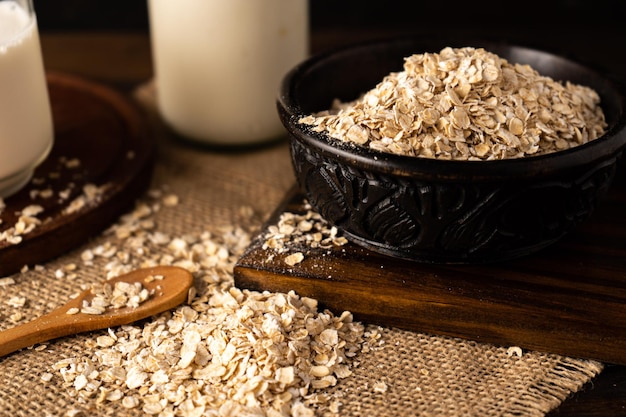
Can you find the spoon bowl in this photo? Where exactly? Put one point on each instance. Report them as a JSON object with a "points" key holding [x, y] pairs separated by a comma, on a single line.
{"points": [[168, 287]]}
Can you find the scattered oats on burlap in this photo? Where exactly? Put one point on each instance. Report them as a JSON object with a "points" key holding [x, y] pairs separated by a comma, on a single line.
{"points": [[466, 104], [227, 352]]}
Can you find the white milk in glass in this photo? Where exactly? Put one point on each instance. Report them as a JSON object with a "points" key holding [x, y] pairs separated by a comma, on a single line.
{"points": [[26, 132], [218, 65]]}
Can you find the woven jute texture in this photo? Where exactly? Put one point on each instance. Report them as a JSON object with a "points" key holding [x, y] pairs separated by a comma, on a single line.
{"points": [[423, 375]]}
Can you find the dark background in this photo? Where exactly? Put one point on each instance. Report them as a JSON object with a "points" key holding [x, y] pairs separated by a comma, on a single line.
{"points": [[441, 14], [591, 31]]}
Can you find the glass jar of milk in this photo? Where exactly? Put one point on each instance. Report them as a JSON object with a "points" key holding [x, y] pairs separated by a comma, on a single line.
{"points": [[26, 131], [218, 65]]}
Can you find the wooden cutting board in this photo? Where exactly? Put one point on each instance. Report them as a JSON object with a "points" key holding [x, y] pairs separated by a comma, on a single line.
{"points": [[568, 299], [101, 139]]}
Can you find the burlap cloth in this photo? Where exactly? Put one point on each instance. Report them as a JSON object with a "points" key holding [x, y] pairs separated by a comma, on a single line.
{"points": [[425, 375]]}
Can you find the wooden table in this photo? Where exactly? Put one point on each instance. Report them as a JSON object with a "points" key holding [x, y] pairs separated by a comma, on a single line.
{"points": [[123, 61]]}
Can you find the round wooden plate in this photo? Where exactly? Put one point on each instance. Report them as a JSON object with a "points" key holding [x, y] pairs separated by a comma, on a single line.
{"points": [[101, 139]]}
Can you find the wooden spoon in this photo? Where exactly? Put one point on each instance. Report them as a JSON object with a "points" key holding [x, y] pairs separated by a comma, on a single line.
{"points": [[169, 289]]}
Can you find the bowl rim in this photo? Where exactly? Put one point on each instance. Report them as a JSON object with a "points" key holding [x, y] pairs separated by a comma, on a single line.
{"points": [[606, 146]]}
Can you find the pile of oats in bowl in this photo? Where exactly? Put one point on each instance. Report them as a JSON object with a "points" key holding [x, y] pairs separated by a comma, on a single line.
{"points": [[466, 104]]}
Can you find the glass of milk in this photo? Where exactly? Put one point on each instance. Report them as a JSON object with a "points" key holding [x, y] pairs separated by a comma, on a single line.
{"points": [[26, 130], [218, 65]]}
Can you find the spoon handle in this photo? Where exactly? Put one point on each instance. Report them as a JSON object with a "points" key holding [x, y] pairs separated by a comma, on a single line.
{"points": [[36, 331]]}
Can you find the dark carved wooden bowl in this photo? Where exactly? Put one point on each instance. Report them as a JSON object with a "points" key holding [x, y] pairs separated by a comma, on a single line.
{"points": [[441, 211]]}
